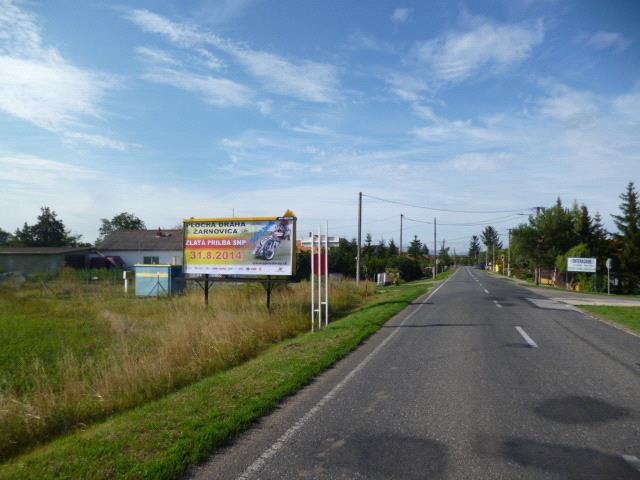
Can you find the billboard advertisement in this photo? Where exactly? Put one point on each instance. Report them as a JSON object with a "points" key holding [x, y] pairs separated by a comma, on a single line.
{"points": [[578, 264], [240, 246]]}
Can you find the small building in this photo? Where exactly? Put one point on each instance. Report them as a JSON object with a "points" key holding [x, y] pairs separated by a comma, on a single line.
{"points": [[150, 247], [31, 260]]}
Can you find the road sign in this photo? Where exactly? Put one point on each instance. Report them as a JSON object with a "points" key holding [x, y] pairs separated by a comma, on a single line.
{"points": [[579, 264], [609, 264]]}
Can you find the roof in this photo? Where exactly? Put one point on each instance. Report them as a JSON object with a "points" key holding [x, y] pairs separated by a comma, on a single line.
{"points": [[169, 240], [43, 250]]}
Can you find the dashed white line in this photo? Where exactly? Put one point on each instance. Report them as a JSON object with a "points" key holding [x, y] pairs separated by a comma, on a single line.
{"points": [[260, 462], [633, 461], [486, 291], [497, 304], [527, 338]]}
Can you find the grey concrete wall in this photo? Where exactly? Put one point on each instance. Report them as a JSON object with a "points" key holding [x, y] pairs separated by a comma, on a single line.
{"points": [[30, 264]]}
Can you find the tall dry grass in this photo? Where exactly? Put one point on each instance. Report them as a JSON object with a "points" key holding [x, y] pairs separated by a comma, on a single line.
{"points": [[157, 347]]}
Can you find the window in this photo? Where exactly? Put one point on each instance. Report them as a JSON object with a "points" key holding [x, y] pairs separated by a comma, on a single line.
{"points": [[151, 260]]}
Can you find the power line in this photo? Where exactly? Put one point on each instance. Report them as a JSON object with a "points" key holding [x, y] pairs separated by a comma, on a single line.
{"points": [[443, 209], [488, 221]]}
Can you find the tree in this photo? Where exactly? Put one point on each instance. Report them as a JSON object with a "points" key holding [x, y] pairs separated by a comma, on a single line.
{"points": [[392, 248], [122, 221], [443, 255], [490, 238], [424, 250], [628, 239], [5, 238], [48, 231], [415, 247], [380, 250], [474, 248]]}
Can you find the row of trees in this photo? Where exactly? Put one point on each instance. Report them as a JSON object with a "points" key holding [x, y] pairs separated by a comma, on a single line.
{"points": [[50, 231], [378, 258], [548, 238]]}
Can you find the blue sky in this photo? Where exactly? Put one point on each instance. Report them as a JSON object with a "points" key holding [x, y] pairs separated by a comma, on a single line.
{"points": [[180, 109]]}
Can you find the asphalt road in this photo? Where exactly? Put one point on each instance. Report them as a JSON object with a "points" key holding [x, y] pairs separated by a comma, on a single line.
{"points": [[480, 380]]}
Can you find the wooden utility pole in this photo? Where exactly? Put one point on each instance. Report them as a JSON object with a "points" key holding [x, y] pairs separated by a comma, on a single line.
{"points": [[435, 249], [401, 218], [359, 237]]}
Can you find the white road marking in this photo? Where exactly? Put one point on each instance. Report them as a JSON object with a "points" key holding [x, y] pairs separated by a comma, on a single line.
{"points": [[273, 449], [486, 291], [527, 338], [497, 304], [633, 461]]}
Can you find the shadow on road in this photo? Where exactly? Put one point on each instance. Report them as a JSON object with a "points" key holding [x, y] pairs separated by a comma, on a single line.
{"points": [[575, 410], [384, 456], [566, 461]]}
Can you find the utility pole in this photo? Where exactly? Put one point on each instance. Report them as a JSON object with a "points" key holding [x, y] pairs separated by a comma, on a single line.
{"points": [[359, 237], [435, 249], [493, 256], [538, 272], [401, 218], [509, 256]]}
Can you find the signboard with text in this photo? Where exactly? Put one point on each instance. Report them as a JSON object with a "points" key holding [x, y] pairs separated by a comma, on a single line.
{"points": [[578, 264], [239, 246]]}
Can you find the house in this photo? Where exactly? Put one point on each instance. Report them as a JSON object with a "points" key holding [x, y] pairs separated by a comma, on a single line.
{"points": [[143, 246], [30, 260]]}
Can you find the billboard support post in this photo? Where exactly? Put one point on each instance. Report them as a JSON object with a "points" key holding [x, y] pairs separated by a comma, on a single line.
{"points": [[206, 289]]}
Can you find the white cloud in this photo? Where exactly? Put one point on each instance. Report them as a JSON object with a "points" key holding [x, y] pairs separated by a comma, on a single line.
{"points": [[442, 129], [306, 80], [33, 170], [603, 40], [573, 107], [156, 55], [361, 41], [400, 15], [306, 127], [220, 92], [97, 140], [474, 162], [209, 60], [311, 81], [629, 106], [487, 45], [38, 85], [407, 87]]}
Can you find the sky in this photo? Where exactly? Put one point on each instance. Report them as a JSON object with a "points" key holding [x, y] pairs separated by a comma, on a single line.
{"points": [[474, 111]]}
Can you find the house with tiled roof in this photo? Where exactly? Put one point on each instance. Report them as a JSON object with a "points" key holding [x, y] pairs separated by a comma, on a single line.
{"points": [[159, 246]]}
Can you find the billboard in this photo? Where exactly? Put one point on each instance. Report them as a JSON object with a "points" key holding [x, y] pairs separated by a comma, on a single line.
{"points": [[240, 246], [577, 264]]}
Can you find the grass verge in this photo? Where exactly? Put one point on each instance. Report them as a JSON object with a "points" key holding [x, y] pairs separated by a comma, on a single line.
{"points": [[627, 316], [162, 438]]}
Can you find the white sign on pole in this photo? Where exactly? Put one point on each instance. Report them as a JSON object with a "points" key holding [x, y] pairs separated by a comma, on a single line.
{"points": [[578, 264]]}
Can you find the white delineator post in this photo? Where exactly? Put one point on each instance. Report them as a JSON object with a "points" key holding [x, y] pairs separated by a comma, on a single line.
{"points": [[319, 277], [313, 294], [326, 272]]}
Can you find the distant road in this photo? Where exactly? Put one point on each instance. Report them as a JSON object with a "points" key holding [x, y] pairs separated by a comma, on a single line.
{"points": [[482, 379]]}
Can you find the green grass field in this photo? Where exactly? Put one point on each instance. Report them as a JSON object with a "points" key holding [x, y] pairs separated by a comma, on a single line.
{"points": [[73, 353], [627, 316], [160, 438]]}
